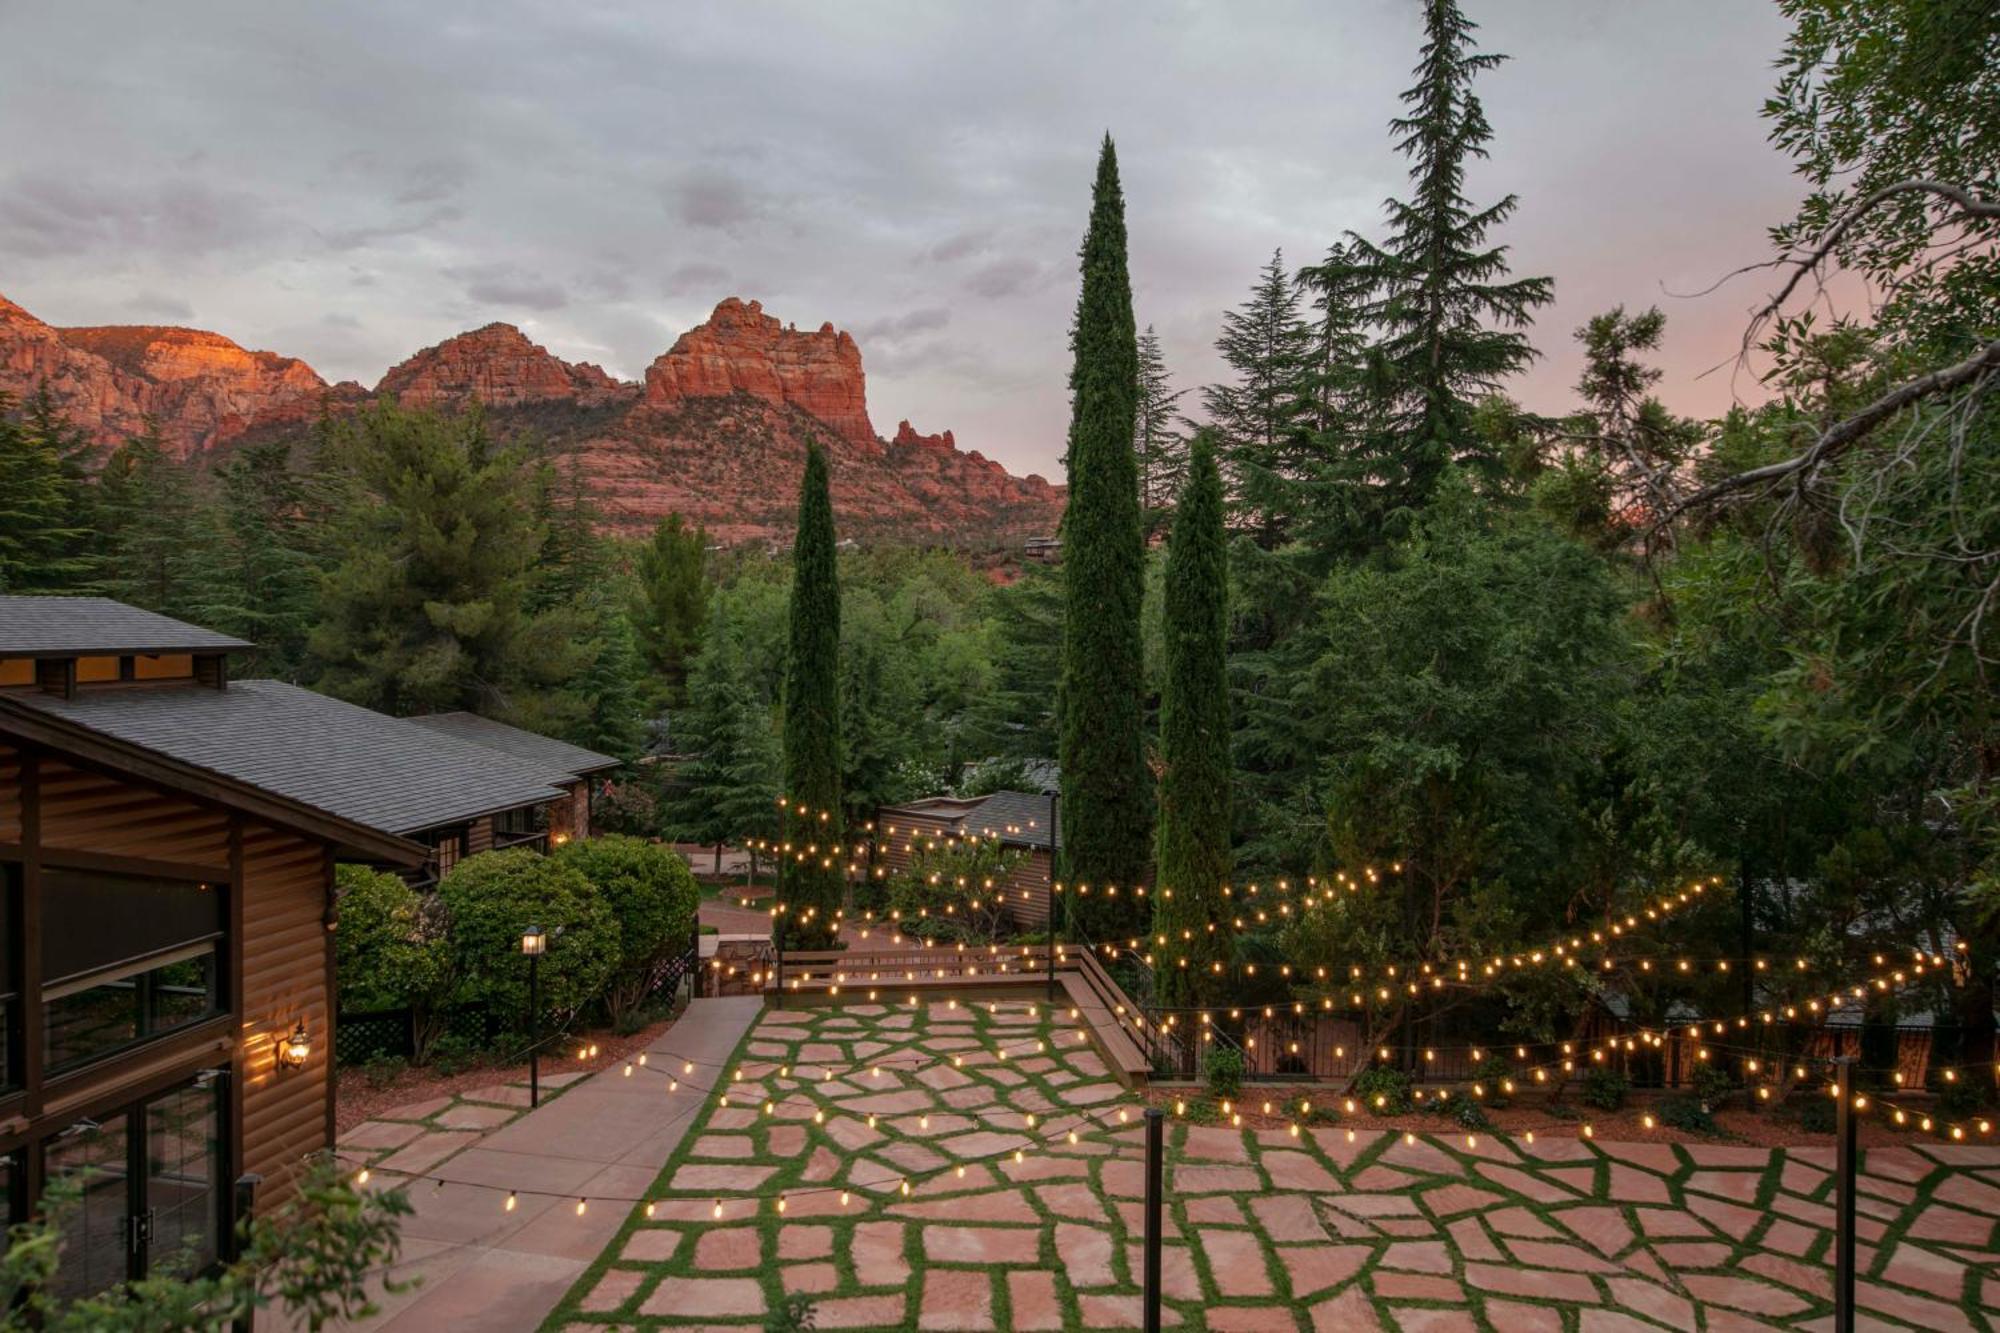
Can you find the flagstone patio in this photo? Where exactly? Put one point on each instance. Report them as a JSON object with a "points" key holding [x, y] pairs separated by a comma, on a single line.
{"points": [[1337, 1228]]}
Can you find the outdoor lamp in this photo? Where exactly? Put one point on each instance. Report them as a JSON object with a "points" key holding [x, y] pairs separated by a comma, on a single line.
{"points": [[293, 1050], [534, 941]]}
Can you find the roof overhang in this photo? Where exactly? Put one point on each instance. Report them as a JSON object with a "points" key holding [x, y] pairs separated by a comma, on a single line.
{"points": [[356, 840]]}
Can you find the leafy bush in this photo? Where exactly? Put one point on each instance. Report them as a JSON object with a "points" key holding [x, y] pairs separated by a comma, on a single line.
{"points": [[310, 1257], [1686, 1113], [1492, 1074], [383, 1070], [1222, 1070], [391, 950], [951, 891], [1605, 1089], [1815, 1114], [1712, 1084], [1956, 1099], [652, 894], [1382, 1090], [489, 899], [1462, 1109]]}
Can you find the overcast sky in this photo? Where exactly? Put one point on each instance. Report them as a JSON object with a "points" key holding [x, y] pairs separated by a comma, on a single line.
{"points": [[348, 182]]}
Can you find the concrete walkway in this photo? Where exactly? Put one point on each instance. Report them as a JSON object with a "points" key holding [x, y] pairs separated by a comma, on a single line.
{"points": [[486, 1270]]}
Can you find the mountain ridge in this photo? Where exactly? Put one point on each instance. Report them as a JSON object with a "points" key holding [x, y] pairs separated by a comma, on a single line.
{"points": [[715, 430]]}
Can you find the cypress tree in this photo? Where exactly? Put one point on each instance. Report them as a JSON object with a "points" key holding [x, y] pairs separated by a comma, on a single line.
{"points": [[1106, 819], [1195, 741], [811, 882], [1451, 318]]}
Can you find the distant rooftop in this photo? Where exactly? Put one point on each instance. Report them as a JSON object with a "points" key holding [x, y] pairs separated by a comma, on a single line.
{"points": [[1017, 817], [560, 758], [68, 626], [364, 766]]}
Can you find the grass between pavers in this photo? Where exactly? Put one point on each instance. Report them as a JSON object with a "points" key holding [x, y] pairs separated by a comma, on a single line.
{"points": [[764, 1049], [372, 1158]]}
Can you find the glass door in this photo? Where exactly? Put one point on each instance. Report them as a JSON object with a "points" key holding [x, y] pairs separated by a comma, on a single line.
{"points": [[183, 1187], [97, 1226]]}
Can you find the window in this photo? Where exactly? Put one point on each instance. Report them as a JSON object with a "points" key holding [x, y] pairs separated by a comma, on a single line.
{"points": [[148, 1186], [124, 959], [524, 824], [449, 845]]}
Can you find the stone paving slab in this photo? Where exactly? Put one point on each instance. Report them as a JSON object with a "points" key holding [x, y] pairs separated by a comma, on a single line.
{"points": [[1342, 1227], [483, 1268]]}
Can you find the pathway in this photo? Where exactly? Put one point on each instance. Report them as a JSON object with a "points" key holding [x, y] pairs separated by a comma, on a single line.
{"points": [[484, 1268], [1338, 1227]]}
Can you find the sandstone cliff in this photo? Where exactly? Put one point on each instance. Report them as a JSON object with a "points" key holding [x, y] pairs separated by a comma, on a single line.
{"points": [[716, 432]]}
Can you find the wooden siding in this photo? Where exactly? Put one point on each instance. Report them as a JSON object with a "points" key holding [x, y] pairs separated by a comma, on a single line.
{"points": [[479, 836], [1027, 886], [10, 794], [285, 972], [88, 811]]}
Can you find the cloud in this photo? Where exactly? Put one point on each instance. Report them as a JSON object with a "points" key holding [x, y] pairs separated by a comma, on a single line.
{"points": [[696, 278], [892, 327], [45, 213], [963, 245], [151, 307], [1007, 277], [711, 198], [498, 285]]}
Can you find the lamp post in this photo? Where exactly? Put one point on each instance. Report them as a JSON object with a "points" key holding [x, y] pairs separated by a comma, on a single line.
{"points": [[1050, 792], [534, 943]]}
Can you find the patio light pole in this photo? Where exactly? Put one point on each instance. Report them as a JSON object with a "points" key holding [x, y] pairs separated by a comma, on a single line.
{"points": [[1845, 1152], [1156, 1152], [1050, 792], [534, 943]]}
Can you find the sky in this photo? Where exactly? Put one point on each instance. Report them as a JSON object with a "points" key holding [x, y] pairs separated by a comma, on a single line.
{"points": [[351, 182]]}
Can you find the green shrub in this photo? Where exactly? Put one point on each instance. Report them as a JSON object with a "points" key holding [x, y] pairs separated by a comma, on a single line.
{"points": [[653, 896], [1463, 1110], [1712, 1084], [1222, 1070], [1605, 1089], [1384, 1091], [1492, 1074], [489, 899], [1686, 1113], [383, 1070], [1956, 1099], [391, 950], [1815, 1114]]}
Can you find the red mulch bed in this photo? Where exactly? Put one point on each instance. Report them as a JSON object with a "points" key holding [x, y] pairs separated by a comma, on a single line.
{"points": [[358, 1098]]}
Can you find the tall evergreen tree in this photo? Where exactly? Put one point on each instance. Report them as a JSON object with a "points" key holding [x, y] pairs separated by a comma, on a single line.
{"points": [[729, 789], [274, 554], [163, 544], [1106, 815], [1160, 444], [428, 607], [812, 879], [44, 528], [1451, 319], [671, 606], [1265, 416], [1194, 832]]}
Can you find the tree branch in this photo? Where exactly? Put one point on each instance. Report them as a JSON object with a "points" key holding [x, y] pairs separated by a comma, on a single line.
{"points": [[1968, 203]]}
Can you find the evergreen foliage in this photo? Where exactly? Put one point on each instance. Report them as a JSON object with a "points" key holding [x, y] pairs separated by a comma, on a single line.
{"points": [[811, 885], [1449, 316], [1160, 443], [671, 607], [1106, 812], [1194, 828], [1265, 418], [45, 523]]}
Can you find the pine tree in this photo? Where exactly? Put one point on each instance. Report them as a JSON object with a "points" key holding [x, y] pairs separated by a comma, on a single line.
{"points": [[671, 606], [1630, 435], [1450, 317], [728, 789], [273, 554], [610, 718], [1264, 417], [43, 522], [1159, 443], [162, 537], [812, 879], [1194, 832], [1106, 819], [427, 607]]}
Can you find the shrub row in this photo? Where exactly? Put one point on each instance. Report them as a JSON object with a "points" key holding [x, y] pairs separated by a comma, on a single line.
{"points": [[617, 911]]}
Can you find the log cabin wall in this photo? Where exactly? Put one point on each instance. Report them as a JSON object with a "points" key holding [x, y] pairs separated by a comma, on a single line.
{"points": [[277, 964]]}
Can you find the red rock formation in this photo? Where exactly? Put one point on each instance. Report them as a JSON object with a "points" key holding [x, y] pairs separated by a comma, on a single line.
{"points": [[717, 432], [742, 349], [498, 366], [201, 388]]}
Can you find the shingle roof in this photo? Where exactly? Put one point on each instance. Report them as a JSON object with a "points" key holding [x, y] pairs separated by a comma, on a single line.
{"points": [[348, 761], [1014, 816], [59, 626], [562, 759]]}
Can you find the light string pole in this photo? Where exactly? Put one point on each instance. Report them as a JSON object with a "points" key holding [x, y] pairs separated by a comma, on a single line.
{"points": [[1155, 1203], [534, 943], [1052, 794], [1846, 1136]]}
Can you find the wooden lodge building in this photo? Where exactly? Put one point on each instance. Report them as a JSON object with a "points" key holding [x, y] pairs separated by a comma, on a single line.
{"points": [[168, 838], [1021, 821]]}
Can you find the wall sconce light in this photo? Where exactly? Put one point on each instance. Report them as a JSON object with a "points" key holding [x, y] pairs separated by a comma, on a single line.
{"points": [[558, 839], [293, 1050]]}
